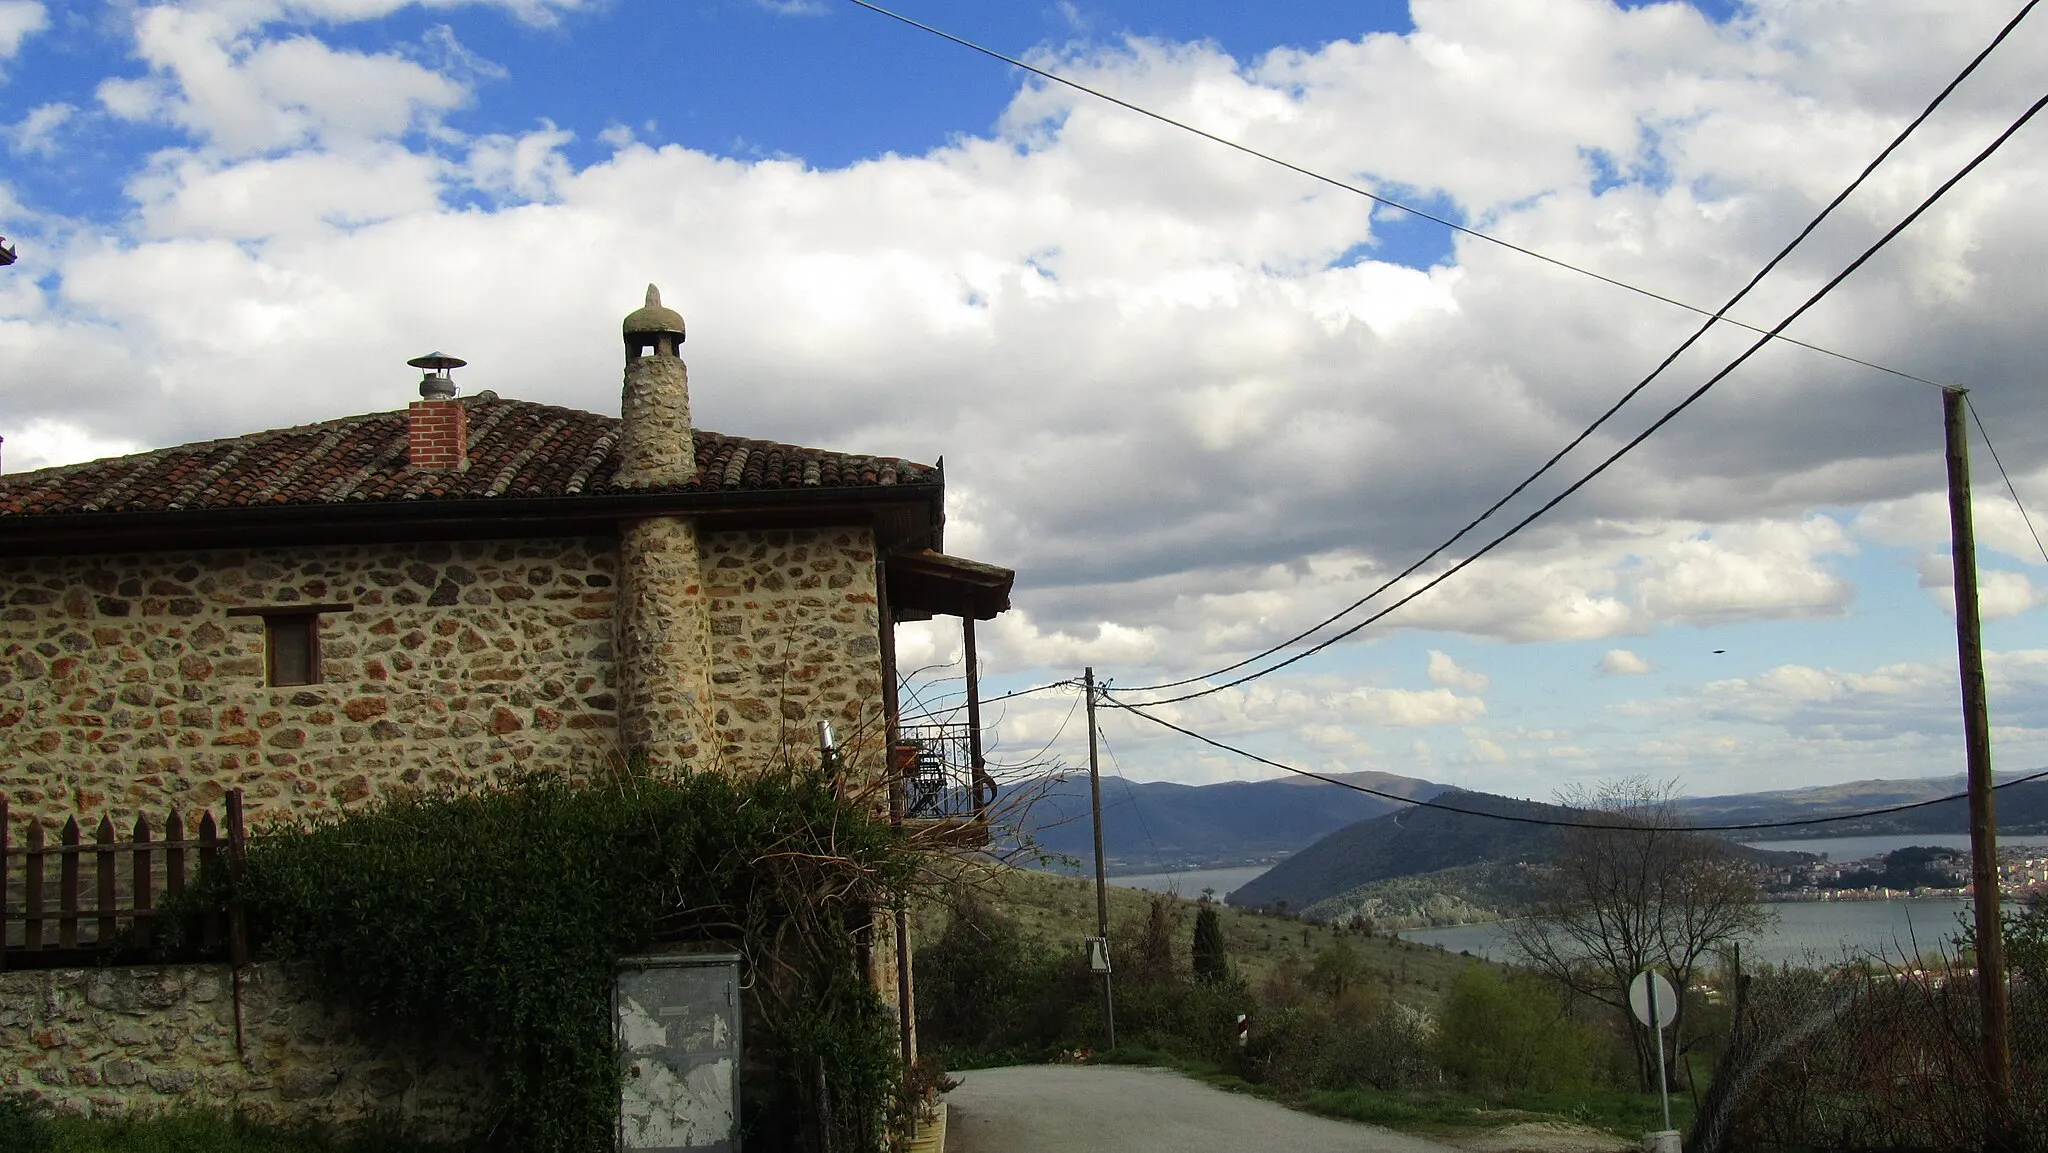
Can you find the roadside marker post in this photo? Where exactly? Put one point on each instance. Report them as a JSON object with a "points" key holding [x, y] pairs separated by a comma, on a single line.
{"points": [[1654, 1002]]}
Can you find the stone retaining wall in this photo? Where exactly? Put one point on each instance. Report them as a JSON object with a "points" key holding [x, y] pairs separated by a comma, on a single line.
{"points": [[114, 1041]]}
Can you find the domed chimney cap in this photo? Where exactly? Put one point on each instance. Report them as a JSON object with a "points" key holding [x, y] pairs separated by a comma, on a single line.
{"points": [[653, 318]]}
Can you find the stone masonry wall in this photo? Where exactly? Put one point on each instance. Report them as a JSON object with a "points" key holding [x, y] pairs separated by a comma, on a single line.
{"points": [[124, 684], [795, 639], [108, 1042]]}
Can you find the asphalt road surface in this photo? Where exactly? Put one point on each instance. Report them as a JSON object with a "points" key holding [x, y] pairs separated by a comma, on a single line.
{"points": [[1123, 1109]]}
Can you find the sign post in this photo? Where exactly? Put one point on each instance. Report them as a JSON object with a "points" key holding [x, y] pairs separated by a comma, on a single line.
{"points": [[1654, 1002]]}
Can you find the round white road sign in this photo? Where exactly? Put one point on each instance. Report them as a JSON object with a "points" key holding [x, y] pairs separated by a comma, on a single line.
{"points": [[1639, 998]]}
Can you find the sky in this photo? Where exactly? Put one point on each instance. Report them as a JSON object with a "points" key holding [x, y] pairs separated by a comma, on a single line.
{"points": [[1197, 401]]}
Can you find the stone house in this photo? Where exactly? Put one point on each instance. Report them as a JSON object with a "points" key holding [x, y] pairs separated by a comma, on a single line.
{"points": [[320, 613], [315, 615]]}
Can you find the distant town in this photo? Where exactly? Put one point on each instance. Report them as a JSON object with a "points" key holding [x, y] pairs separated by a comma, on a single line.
{"points": [[1914, 871]]}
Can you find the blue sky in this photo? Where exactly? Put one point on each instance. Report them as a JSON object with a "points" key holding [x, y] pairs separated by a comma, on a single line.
{"points": [[1196, 402]]}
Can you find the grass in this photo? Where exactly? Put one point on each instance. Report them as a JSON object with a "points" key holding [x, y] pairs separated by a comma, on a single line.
{"points": [[1439, 1111], [1449, 1111], [1061, 911], [23, 1130]]}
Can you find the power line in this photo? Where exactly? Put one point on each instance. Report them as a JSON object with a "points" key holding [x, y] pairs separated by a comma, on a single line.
{"points": [[1802, 822], [1057, 734], [2006, 476], [1631, 394], [1358, 190], [1132, 796], [1661, 421]]}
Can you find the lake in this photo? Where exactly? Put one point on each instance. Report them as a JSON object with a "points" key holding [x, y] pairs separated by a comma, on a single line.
{"points": [[1807, 932], [1190, 882]]}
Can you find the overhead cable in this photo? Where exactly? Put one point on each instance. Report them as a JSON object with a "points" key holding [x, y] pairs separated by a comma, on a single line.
{"points": [[1367, 193], [1719, 315], [1802, 822], [1661, 421], [2006, 476]]}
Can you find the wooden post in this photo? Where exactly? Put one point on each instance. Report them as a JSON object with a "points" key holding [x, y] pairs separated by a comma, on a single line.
{"points": [[983, 788], [238, 843], [209, 860], [32, 896], [103, 868], [238, 942], [1101, 882], [67, 886], [1991, 990], [6, 829], [145, 901]]}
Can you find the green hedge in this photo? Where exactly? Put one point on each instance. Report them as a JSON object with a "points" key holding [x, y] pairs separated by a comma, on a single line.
{"points": [[495, 919]]}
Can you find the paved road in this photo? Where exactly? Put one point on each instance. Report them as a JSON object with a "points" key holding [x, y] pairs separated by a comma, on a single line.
{"points": [[1120, 1109]]}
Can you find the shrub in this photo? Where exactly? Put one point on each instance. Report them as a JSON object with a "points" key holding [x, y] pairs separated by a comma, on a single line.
{"points": [[1513, 1033], [496, 918], [24, 1127], [985, 989]]}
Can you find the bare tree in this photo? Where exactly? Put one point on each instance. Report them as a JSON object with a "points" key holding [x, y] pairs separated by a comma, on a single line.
{"points": [[1634, 893]]}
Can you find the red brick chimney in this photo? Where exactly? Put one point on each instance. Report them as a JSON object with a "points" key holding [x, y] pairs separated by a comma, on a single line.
{"points": [[437, 435], [437, 425]]}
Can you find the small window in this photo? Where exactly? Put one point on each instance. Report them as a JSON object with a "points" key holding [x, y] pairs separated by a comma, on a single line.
{"points": [[293, 644], [291, 641]]}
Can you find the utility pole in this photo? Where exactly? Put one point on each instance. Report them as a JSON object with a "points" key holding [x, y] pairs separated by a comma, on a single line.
{"points": [[1991, 990], [1101, 884]]}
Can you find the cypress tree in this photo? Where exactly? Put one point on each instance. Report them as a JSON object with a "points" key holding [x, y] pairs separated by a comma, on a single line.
{"points": [[1212, 964]]}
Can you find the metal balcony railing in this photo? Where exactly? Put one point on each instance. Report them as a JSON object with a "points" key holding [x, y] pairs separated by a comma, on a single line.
{"points": [[940, 778]]}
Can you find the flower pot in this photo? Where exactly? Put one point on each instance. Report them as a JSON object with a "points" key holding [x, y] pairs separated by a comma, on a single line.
{"points": [[931, 1133]]}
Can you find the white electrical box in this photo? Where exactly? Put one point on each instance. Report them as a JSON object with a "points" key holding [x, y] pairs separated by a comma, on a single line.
{"points": [[677, 1021]]}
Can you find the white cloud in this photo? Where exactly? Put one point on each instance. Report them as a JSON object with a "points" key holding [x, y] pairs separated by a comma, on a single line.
{"points": [[1921, 521], [1160, 394], [1623, 663], [2000, 594], [240, 93], [20, 19], [43, 442], [1447, 672], [1748, 572], [36, 133]]}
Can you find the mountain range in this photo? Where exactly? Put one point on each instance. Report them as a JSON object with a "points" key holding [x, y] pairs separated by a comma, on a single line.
{"points": [[1159, 826], [1330, 839], [1430, 840]]}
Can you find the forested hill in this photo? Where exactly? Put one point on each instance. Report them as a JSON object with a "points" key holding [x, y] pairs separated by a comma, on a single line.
{"points": [[1159, 826], [2020, 808], [1414, 840], [1420, 840]]}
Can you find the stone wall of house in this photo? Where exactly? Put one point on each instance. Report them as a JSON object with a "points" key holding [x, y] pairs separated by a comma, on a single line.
{"points": [[795, 639], [125, 685], [113, 1041]]}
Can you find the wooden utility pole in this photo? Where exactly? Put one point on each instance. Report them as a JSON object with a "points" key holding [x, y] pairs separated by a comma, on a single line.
{"points": [[1101, 882], [1991, 988]]}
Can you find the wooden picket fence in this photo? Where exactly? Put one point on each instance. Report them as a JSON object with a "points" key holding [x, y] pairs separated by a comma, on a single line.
{"points": [[49, 920]]}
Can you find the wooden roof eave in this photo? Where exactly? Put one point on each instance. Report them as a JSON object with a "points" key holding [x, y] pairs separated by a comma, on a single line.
{"points": [[924, 583], [903, 515]]}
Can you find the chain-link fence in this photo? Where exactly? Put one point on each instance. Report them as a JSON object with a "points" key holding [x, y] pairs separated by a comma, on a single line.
{"points": [[1874, 1058]]}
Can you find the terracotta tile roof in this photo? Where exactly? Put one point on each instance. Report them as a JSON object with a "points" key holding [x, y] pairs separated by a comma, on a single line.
{"points": [[516, 449]]}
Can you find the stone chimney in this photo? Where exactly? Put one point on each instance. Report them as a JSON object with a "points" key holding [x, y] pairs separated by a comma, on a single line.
{"points": [[655, 445], [663, 627], [437, 424]]}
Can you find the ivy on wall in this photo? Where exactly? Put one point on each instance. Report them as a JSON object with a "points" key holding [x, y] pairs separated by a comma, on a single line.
{"points": [[495, 918]]}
